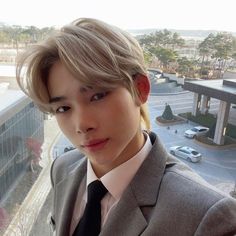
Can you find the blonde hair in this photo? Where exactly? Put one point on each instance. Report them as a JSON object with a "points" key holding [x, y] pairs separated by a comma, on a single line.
{"points": [[96, 53]]}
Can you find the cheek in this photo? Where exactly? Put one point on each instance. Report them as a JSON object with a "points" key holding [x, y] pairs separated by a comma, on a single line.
{"points": [[63, 124], [122, 115]]}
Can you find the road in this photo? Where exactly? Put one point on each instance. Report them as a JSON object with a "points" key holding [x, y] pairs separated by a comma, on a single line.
{"points": [[217, 166], [183, 102]]}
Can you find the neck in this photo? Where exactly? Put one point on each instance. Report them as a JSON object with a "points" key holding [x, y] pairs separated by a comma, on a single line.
{"points": [[137, 143]]}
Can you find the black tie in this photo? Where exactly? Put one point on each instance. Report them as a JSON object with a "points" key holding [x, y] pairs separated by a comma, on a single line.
{"points": [[90, 223]]}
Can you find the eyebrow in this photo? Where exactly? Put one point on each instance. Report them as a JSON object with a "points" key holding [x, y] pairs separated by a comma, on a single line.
{"points": [[62, 98], [85, 89], [56, 99]]}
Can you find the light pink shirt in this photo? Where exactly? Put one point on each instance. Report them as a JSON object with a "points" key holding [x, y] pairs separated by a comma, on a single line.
{"points": [[115, 181]]}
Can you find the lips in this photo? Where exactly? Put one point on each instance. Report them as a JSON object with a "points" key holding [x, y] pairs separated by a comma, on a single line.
{"points": [[95, 144]]}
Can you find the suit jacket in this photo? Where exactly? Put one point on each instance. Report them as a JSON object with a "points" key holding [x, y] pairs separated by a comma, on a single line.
{"points": [[164, 198]]}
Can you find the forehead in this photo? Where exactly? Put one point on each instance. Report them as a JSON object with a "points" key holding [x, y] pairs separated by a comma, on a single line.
{"points": [[62, 82], [60, 78]]}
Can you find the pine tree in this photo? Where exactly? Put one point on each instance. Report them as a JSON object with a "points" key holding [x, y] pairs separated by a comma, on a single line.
{"points": [[167, 114]]}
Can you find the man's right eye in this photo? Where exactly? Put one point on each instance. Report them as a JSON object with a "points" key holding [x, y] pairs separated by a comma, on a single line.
{"points": [[62, 109]]}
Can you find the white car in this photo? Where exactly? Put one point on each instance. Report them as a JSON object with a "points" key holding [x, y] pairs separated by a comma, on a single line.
{"points": [[186, 153], [196, 131]]}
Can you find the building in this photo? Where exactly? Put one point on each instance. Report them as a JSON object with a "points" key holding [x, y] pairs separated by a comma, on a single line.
{"points": [[8, 75], [223, 90], [21, 136]]}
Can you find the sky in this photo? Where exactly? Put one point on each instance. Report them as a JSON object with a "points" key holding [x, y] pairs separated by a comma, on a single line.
{"points": [[126, 14]]}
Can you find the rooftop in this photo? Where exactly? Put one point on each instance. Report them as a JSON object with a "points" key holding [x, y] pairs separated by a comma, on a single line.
{"points": [[224, 90], [11, 102], [8, 70]]}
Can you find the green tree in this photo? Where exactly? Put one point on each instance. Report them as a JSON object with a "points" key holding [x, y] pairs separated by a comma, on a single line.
{"points": [[167, 114], [16, 34], [221, 48], [205, 49], [165, 55], [177, 41], [13, 33], [163, 38], [4, 37], [147, 57], [186, 67]]}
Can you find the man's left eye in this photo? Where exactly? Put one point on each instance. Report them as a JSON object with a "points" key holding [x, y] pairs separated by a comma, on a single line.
{"points": [[98, 96]]}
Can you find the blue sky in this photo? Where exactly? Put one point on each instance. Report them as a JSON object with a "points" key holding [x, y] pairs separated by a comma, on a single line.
{"points": [[127, 14]]}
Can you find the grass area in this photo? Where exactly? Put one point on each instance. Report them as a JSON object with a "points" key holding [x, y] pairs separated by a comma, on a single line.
{"points": [[209, 121], [228, 140]]}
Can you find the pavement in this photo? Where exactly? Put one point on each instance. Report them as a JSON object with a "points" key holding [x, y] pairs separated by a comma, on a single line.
{"points": [[27, 214]]}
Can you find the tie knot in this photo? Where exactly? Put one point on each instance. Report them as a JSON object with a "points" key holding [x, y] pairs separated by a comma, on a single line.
{"points": [[96, 191]]}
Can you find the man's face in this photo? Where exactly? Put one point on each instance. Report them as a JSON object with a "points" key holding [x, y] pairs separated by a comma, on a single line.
{"points": [[102, 124]]}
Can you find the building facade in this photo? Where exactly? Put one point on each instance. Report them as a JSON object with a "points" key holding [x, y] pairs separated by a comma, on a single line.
{"points": [[223, 90], [21, 137]]}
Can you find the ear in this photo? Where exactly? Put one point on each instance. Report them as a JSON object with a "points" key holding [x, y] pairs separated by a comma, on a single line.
{"points": [[143, 87]]}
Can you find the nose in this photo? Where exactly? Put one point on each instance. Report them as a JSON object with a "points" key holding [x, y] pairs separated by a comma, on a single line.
{"points": [[84, 121], [80, 131]]}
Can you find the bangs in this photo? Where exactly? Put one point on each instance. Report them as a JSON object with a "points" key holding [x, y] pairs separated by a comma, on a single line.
{"points": [[91, 60]]}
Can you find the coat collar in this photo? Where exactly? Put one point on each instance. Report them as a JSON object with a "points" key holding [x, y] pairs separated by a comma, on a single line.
{"points": [[142, 192]]}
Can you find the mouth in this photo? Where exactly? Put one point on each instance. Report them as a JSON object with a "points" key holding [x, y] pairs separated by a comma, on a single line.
{"points": [[95, 145]]}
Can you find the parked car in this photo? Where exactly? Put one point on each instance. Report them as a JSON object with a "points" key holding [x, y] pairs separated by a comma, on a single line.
{"points": [[196, 131], [186, 153]]}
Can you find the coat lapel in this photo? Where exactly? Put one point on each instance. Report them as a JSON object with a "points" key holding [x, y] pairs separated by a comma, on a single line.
{"points": [[128, 217], [67, 189], [125, 219]]}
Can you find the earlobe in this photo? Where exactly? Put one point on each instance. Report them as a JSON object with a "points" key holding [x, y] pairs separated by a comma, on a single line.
{"points": [[143, 87]]}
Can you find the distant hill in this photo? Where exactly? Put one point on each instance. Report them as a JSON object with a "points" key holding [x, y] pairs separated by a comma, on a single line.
{"points": [[198, 34]]}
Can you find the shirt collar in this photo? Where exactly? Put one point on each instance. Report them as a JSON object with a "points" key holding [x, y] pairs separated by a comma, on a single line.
{"points": [[119, 178]]}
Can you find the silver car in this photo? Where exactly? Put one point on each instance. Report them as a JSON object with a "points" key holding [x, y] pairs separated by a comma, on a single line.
{"points": [[196, 131], [186, 153]]}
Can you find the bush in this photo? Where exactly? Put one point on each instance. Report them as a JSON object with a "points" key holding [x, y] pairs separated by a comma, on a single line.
{"points": [[209, 120]]}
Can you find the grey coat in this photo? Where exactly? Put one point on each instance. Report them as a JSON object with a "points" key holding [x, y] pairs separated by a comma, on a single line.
{"points": [[165, 198]]}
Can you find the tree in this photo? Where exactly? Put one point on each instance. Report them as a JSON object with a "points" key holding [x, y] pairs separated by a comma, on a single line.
{"points": [[177, 41], [220, 47], [223, 50], [164, 39], [16, 34], [167, 114], [205, 50], [4, 38], [186, 66], [165, 55], [147, 57]]}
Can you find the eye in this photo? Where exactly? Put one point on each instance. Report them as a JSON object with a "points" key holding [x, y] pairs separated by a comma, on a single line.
{"points": [[98, 96], [62, 109]]}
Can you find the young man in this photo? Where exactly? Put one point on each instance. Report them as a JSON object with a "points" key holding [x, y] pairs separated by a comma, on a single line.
{"points": [[92, 77]]}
